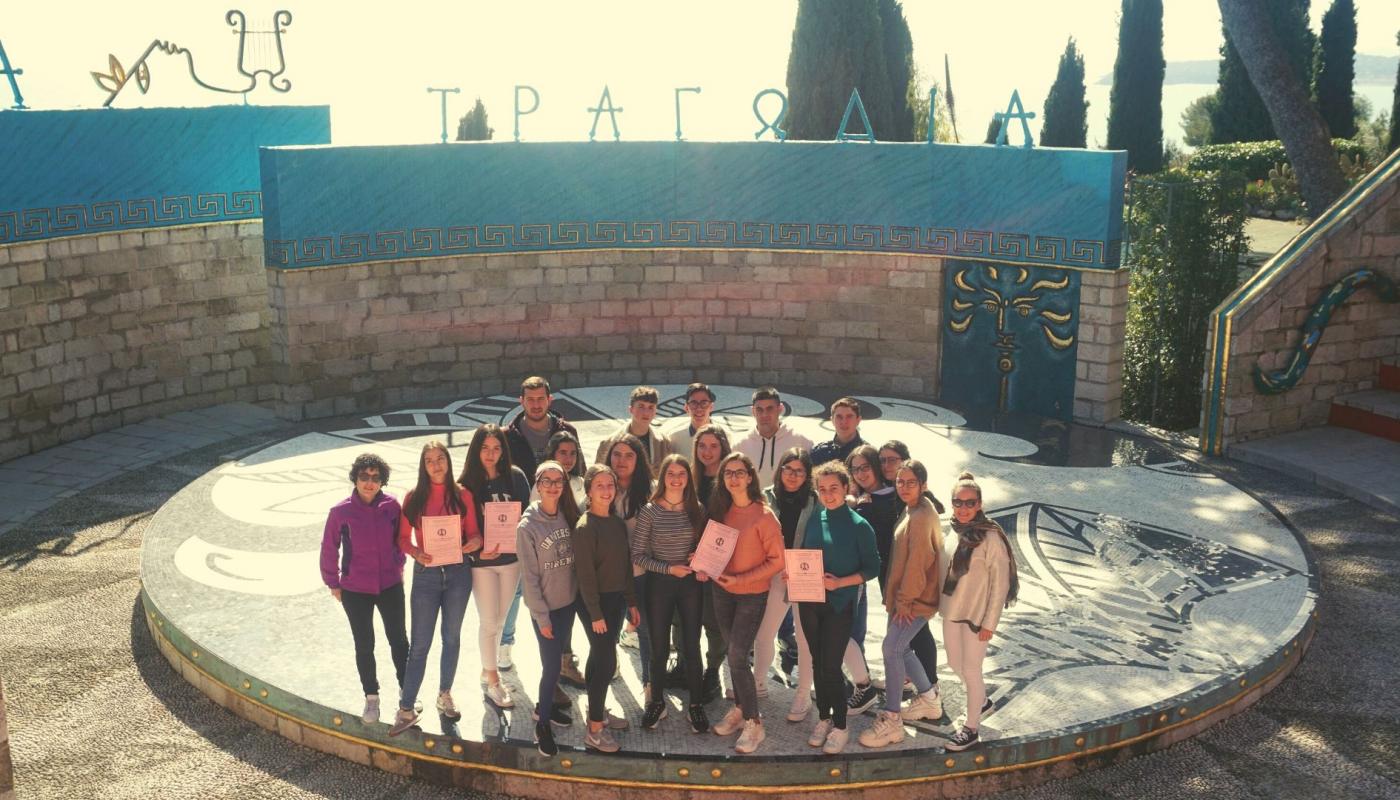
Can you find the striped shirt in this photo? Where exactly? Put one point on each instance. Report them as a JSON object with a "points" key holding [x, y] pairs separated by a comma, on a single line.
{"points": [[662, 538]]}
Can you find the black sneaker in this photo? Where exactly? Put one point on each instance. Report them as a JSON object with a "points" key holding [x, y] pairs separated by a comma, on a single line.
{"points": [[699, 723], [655, 712], [862, 697], [710, 690], [544, 740], [987, 708], [964, 739], [557, 715]]}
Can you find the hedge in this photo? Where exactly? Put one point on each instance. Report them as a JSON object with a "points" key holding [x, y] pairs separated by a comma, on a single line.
{"points": [[1253, 160]]}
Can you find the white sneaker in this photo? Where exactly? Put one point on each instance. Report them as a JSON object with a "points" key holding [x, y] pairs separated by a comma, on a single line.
{"points": [[888, 729], [629, 640], [446, 707], [733, 721], [819, 733], [800, 706], [750, 738], [923, 706], [503, 657], [836, 741], [371, 714], [498, 693]]}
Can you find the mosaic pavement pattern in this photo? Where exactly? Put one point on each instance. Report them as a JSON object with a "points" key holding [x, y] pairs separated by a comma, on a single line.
{"points": [[1144, 577]]}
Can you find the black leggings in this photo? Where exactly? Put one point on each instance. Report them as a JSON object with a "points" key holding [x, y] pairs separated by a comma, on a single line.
{"points": [[602, 652], [359, 609], [669, 595], [827, 633]]}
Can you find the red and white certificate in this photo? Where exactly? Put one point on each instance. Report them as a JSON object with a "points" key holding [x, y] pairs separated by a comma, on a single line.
{"points": [[804, 576], [442, 539], [715, 549], [501, 519]]}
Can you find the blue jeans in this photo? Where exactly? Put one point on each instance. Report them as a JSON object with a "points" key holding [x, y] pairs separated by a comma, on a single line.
{"points": [[508, 631], [446, 589], [561, 622], [900, 660]]}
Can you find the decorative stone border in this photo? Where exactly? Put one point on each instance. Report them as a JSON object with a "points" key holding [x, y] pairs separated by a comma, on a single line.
{"points": [[516, 769]]}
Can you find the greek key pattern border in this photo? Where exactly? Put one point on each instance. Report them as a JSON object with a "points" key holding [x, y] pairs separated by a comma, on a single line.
{"points": [[349, 248], [36, 224]]}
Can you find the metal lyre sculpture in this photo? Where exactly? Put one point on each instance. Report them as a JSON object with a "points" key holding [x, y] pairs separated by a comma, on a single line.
{"points": [[1000, 289], [264, 57]]}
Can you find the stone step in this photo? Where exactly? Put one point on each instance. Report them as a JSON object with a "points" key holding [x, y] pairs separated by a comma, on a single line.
{"points": [[1362, 467], [1390, 374], [1375, 412]]}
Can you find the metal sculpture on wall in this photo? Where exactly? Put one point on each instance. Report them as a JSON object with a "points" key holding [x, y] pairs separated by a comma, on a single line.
{"points": [[264, 57], [1030, 332], [1014, 110], [443, 94], [1280, 381], [10, 73]]}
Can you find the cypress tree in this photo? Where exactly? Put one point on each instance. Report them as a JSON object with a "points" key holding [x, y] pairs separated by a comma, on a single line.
{"points": [[837, 45], [1335, 69], [1240, 115], [994, 130], [1066, 122], [899, 71], [1135, 102], [1395, 110], [472, 126]]}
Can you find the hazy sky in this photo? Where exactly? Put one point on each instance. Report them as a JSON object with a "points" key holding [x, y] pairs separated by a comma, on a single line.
{"points": [[373, 67]]}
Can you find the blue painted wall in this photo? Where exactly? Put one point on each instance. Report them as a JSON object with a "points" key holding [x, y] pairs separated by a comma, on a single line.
{"points": [[334, 205], [64, 173], [1010, 338]]}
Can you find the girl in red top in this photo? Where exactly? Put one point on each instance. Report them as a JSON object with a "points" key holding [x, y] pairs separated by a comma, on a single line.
{"points": [[440, 587]]}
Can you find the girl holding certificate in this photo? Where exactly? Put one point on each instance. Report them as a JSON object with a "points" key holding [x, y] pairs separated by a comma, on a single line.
{"points": [[545, 548], [741, 590], [491, 479], [849, 559], [981, 581], [603, 564], [791, 498], [911, 599], [662, 543], [441, 583]]}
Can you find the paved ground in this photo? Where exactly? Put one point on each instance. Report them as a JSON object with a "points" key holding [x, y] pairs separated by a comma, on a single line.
{"points": [[95, 711]]}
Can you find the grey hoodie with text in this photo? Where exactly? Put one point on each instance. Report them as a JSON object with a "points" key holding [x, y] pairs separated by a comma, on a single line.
{"points": [[546, 553]]}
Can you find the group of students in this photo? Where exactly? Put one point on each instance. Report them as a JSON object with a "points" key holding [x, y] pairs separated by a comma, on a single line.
{"points": [[612, 545]]}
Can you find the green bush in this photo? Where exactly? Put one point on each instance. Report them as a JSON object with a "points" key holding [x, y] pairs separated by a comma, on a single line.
{"points": [[1253, 160], [1185, 235]]}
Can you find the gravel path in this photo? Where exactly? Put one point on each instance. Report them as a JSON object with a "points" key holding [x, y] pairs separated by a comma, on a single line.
{"points": [[95, 711]]}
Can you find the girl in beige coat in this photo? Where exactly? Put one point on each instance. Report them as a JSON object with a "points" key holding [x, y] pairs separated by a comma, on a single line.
{"points": [[980, 582]]}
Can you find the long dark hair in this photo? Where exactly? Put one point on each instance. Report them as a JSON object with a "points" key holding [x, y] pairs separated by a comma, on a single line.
{"points": [[720, 499], [473, 474], [872, 459], [568, 506], [902, 450], [552, 448], [639, 485], [418, 497], [973, 534], [697, 470], [793, 454], [690, 498]]}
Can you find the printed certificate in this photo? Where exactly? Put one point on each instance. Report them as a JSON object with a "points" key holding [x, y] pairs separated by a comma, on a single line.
{"points": [[804, 576], [442, 539], [501, 519], [716, 547]]}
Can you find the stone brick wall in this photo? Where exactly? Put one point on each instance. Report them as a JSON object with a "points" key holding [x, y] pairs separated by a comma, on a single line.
{"points": [[1103, 314], [380, 335], [1361, 333], [102, 331]]}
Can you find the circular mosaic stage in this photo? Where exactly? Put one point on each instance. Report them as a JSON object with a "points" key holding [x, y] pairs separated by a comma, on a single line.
{"points": [[1156, 599]]}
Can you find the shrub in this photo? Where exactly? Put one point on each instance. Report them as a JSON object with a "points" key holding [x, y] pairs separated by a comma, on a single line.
{"points": [[1253, 160], [1186, 235]]}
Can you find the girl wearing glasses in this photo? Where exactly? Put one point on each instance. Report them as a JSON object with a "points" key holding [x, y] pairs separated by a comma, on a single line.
{"points": [[544, 545], [911, 599], [849, 559], [366, 526], [792, 500], [873, 498], [980, 582], [740, 594]]}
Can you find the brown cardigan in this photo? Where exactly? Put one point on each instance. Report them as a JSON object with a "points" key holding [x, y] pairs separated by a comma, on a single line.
{"points": [[916, 554]]}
